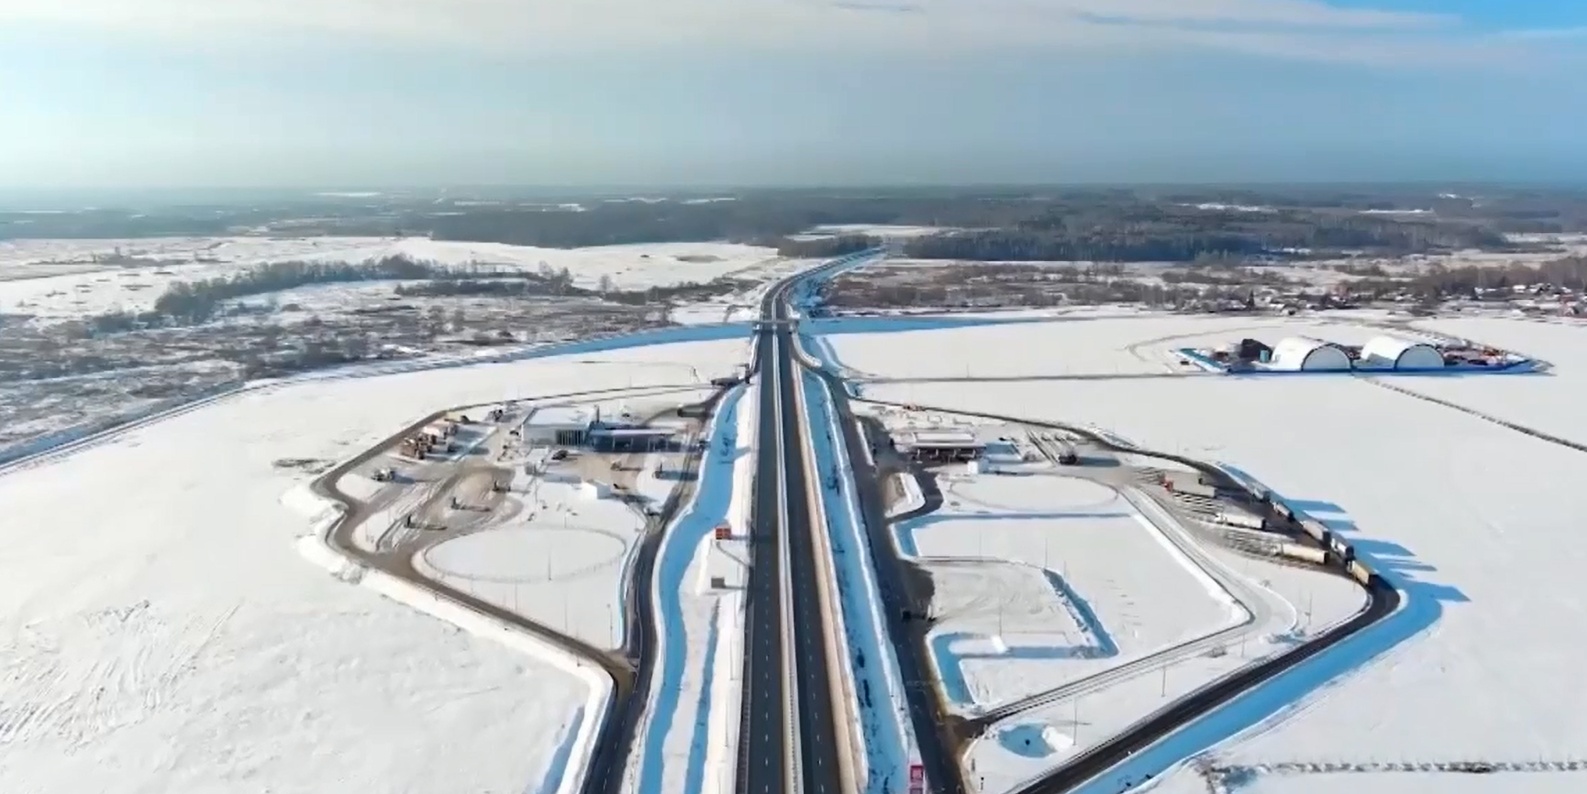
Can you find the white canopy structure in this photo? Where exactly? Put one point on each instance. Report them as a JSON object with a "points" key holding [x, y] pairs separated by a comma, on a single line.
{"points": [[1390, 352], [1297, 353]]}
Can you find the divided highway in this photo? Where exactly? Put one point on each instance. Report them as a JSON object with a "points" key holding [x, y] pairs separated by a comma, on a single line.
{"points": [[788, 731], [762, 743]]}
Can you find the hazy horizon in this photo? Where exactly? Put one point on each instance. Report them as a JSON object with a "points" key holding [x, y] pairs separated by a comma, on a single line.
{"points": [[710, 93]]}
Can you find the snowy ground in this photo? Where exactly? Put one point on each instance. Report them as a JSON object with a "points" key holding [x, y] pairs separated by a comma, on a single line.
{"points": [[1043, 579], [878, 230], [1387, 782], [742, 306], [1049, 582], [1467, 517], [48, 277], [1071, 345], [561, 563], [162, 633], [1550, 402]]}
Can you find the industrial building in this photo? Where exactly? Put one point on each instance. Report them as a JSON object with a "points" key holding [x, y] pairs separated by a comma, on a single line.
{"points": [[562, 425], [941, 446], [603, 437], [575, 426], [1301, 353], [1389, 352]]}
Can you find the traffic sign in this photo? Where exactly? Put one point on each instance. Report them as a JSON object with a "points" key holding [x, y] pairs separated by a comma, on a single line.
{"points": [[917, 775]]}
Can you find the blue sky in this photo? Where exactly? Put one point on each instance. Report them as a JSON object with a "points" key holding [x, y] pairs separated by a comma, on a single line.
{"points": [[103, 93]]}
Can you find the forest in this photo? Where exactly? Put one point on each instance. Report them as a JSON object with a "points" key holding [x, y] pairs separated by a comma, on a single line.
{"points": [[1116, 224]]}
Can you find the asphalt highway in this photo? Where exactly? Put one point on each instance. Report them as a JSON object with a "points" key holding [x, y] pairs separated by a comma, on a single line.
{"points": [[761, 736], [818, 733], [778, 711]]}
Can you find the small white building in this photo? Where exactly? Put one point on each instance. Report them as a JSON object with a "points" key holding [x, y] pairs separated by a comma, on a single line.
{"points": [[940, 445], [565, 425], [1302, 353], [1391, 352], [594, 489]]}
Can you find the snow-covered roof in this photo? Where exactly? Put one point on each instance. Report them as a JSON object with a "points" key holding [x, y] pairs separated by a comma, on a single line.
{"points": [[1304, 352], [1393, 351], [560, 416], [941, 438]]}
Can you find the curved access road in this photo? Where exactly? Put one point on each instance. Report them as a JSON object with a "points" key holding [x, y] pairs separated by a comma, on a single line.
{"points": [[929, 712], [615, 742]]}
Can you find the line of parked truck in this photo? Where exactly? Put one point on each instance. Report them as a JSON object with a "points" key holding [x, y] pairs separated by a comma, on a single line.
{"points": [[435, 437], [1331, 547]]}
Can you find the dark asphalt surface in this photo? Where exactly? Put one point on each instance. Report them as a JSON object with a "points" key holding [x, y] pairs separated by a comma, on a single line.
{"points": [[818, 746], [780, 472], [760, 745]]}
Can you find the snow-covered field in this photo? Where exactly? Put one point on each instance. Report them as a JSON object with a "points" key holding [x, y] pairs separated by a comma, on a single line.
{"points": [[878, 229], [47, 278], [162, 633], [1038, 346], [1067, 576], [1473, 521], [1058, 585], [742, 306], [1550, 403], [1387, 782], [561, 563]]}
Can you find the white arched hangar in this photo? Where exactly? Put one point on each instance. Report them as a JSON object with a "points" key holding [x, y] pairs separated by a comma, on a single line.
{"points": [[1391, 352], [1301, 353]]}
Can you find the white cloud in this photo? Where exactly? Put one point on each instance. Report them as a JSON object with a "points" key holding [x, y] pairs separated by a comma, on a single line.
{"points": [[1290, 28], [1548, 33]]}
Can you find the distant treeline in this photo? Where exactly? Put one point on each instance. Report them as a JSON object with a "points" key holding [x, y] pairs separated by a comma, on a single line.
{"points": [[825, 247], [560, 284], [197, 301], [1159, 234], [1039, 224], [1442, 282], [194, 302]]}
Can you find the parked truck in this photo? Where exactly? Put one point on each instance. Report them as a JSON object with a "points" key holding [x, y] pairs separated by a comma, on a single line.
{"points": [[1239, 518]]}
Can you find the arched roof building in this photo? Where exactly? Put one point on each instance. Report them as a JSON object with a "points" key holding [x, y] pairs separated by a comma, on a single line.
{"points": [[1390, 352], [1297, 353]]}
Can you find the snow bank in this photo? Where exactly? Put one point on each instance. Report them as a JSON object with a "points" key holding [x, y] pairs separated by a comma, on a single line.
{"points": [[675, 695], [889, 738], [913, 499]]}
